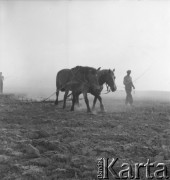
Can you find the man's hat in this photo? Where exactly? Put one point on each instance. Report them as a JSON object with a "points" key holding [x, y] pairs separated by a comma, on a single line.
{"points": [[128, 71]]}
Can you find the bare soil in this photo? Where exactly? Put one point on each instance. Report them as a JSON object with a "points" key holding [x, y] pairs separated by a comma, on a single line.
{"points": [[42, 141]]}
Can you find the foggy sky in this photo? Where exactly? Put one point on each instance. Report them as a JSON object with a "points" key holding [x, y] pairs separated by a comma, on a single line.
{"points": [[38, 38]]}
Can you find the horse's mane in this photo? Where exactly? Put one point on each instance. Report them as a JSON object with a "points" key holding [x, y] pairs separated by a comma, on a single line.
{"points": [[103, 71]]}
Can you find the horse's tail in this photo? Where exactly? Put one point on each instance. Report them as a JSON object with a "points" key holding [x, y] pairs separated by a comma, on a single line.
{"points": [[62, 77], [56, 82], [57, 89]]}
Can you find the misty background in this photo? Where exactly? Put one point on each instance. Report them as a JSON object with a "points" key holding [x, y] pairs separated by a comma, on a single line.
{"points": [[39, 38]]}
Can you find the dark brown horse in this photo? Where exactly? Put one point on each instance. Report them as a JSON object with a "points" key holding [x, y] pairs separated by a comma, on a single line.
{"points": [[78, 80], [105, 76]]}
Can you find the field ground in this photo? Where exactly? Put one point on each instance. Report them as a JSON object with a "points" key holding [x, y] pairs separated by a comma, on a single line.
{"points": [[39, 141]]}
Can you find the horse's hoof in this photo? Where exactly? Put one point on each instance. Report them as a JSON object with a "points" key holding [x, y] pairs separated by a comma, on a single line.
{"points": [[103, 110]]}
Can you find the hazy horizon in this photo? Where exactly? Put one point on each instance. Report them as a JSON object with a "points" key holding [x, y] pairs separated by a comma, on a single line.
{"points": [[38, 38], [142, 95]]}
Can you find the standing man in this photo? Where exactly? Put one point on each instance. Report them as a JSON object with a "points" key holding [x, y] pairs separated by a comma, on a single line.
{"points": [[128, 88], [1, 83]]}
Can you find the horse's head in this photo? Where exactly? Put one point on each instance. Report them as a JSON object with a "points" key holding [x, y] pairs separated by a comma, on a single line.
{"points": [[110, 80]]}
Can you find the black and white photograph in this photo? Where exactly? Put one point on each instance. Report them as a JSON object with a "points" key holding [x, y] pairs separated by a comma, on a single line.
{"points": [[84, 89]]}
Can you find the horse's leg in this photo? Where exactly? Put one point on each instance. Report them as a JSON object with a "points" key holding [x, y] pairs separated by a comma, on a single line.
{"points": [[65, 98], [101, 103], [73, 101], [77, 100], [57, 94], [94, 102], [86, 101]]}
